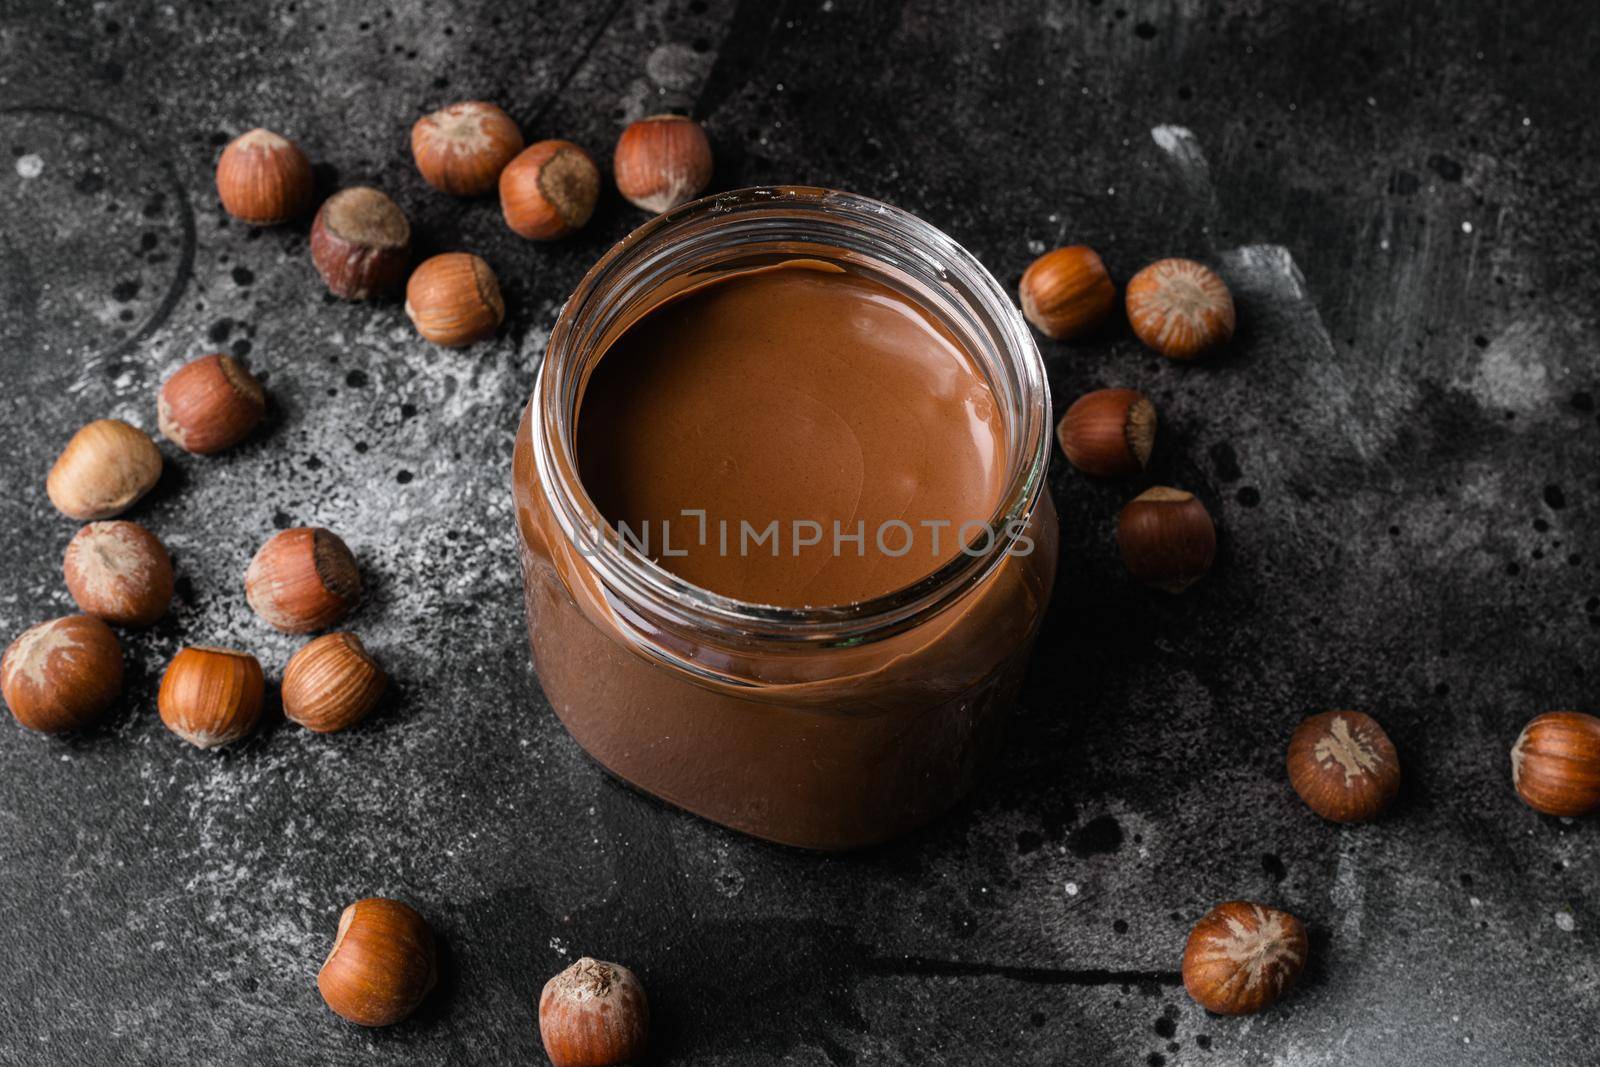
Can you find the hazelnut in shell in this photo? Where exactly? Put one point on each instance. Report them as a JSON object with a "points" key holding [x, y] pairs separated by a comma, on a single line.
{"points": [[382, 965], [332, 683], [1180, 308], [210, 404], [549, 190], [361, 243], [662, 161], [119, 572], [211, 696], [1166, 538], [63, 674], [264, 179], [1066, 293], [1344, 766], [1242, 957], [594, 1014], [454, 300], [1109, 433], [303, 579], [1555, 764], [461, 149], [105, 468]]}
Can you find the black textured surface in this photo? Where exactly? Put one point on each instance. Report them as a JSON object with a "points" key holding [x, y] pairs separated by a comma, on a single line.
{"points": [[1400, 452]]}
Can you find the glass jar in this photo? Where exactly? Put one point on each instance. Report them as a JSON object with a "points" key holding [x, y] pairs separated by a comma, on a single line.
{"points": [[830, 727]]}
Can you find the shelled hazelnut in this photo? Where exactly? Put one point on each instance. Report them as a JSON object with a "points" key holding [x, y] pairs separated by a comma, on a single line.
{"points": [[1166, 538], [1555, 764], [210, 404], [382, 965], [119, 572], [211, 696], [303, 579], [1109, 433], [1067, 293], [1344, 766], [594, 1014], [1180, 308], [332, 683], [105, 468], [264, 179], [461, 149], [549, 190], [662, 161], [1242, 957], [454, 300], [63, 674], [361, 243]]}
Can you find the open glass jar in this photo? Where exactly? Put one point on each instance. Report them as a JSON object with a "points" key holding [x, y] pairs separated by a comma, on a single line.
{"points": [[824, 727]]}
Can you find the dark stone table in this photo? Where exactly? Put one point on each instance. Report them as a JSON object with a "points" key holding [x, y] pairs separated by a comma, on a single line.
{"points": [[1400, 452]]}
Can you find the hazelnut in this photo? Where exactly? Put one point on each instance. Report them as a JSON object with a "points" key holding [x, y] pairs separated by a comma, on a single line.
{"points": [[1166, 538], [1241, 957], [211, 696], [332, 683], [1344, 766], [1109, 433], [549, 190], [360, 243], [1180, 308], [1555, 764], [63, 674], [461, 149], [1066, 293], [454, 300], [119, 572], [209, 404], [662, 161], [302, 580], [104, 468], [593, 1014], [382, 964], [264, 179]]}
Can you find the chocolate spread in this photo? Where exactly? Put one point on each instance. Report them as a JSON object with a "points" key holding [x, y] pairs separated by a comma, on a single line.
{"points": [[805, 393]]}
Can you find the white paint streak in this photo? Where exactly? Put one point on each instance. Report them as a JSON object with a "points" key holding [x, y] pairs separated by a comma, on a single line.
{"points": [[29, 166], [1512, 373], [1183, 148], [1347, 893]]}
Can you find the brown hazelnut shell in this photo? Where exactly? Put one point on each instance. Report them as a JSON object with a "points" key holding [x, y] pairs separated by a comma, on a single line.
{"points": [[1344, 766], [1555, 764], [211, 696], [1109, 433], [454, 300], [264, 179], [361, 243], [1180, 308], [303, 579], [105, 468], [1066, 293], [461, 149], [332, 683], [382, 965], [210, 404], [1241, 957], [594, 1014], [549, 190], [63, 674], [119, 572], [1166, 538], [661, 162]]}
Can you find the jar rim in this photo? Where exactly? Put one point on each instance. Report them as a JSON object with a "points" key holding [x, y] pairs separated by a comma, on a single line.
{"points": [[663, 596]]}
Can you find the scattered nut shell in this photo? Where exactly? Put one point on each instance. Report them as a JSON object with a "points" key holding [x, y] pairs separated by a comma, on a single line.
{"points": [[1166, 539], [119, 572], [211, 696], [63, 674], [1555, 764], [549, 190], [332, 684], [454, 300], [105, 468], [594, 1014], [361, 243], [1242, 957], [1344, 766], [382, 965], [1109, 433], [303, 579], [461, 149], [210, 404], [1180, 308], [264, 179], [1067, 293], [662, 161]]}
